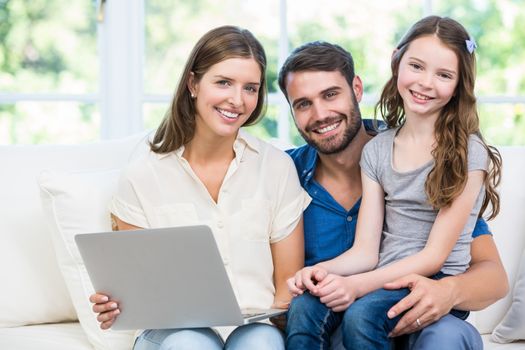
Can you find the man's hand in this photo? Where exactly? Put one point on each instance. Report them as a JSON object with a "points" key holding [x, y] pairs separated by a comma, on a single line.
{"points": [[306, 278], [106, 309], [337, 292], [428, 301]]}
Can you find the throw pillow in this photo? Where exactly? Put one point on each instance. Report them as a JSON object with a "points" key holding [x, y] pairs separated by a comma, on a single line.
{"points": [[512, 327], [78, 203]]}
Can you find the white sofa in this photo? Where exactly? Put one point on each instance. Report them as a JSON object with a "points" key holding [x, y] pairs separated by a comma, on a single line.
{"points": [[43, 303]]}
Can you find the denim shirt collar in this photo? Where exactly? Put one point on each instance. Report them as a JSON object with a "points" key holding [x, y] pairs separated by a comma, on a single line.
{"points": [[308, 171]]}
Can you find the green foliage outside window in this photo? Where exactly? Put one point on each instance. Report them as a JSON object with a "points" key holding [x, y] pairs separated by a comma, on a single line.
{"points": [[50, 46]]}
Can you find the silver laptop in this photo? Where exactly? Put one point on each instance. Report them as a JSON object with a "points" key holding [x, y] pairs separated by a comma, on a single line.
{"points": [[164, 278]]}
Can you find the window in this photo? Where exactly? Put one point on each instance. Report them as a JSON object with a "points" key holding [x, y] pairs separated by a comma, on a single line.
{"points": [[49, 70], [64, 77]]}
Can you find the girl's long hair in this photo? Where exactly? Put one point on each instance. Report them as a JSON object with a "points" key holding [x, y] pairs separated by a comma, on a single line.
{"points": [[178, 126], [458, 119]]}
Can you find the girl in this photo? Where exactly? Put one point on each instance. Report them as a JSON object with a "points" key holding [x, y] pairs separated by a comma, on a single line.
{"points": [[425, 181], [203, 169]]}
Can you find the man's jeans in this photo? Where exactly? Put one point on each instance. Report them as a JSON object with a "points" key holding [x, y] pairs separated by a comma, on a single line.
{"points": [[449, 332]]}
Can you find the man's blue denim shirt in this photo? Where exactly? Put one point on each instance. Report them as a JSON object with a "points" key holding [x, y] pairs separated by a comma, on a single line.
{"points": [[329, 230]]}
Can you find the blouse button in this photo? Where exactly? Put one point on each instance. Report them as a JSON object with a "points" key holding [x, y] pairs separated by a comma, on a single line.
{"points": [[220, 224]]}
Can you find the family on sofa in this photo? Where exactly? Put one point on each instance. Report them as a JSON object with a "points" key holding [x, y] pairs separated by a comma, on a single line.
{"points": [[419, 185]]}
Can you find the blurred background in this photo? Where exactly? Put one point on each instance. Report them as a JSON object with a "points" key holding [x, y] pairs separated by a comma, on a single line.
{"points": [[74, 71]]}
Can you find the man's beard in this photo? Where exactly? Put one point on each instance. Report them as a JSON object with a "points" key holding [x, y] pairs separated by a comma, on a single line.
{"points": [[331, 145]]}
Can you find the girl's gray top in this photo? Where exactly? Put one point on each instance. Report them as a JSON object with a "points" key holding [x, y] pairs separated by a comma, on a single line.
{"points": [[408, 215]]}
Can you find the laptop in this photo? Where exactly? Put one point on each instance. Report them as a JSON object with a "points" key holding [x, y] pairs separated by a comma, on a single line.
{"points": [[164, 278]]}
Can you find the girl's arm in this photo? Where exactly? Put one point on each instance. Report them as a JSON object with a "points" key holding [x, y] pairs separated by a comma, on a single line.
{"points": [[364, 254], [484, 282], [288, 257], [449, 223]]}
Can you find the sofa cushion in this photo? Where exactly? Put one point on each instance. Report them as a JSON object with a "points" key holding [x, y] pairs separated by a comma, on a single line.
{"points": [[34, 291], [57, 336], [512, 327], [77, 203], [488, 344]]}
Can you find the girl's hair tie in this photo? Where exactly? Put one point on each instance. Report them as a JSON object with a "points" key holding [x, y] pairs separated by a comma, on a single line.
{"points": [[471, 45]]}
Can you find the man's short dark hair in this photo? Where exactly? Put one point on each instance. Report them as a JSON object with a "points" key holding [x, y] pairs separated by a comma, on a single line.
{"points": [[317, 56]]}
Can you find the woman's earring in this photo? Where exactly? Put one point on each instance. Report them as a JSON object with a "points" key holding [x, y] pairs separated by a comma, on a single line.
{"points": [[192, 95]]}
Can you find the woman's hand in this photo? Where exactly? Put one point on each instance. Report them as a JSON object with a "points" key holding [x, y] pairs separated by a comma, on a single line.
{"points": [[106, 309], [306, 278]]}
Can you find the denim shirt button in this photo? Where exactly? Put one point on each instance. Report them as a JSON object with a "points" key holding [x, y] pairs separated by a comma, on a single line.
{"points": [[349, 218]]}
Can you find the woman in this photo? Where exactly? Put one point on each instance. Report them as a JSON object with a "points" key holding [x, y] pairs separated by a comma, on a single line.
{"points": [[203, 169]]}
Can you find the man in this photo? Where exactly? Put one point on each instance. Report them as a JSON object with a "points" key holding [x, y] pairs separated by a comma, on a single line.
{"points": [[323, 91]]}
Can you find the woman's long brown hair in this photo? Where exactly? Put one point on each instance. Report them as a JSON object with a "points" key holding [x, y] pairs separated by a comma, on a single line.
{"points": [[178, 126], [456, 122]]}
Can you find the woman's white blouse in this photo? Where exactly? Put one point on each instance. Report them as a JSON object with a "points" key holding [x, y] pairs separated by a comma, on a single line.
{"points": [[260, 202]]}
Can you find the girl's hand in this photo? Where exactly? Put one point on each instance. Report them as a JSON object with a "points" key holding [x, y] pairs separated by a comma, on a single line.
{"points": [[306, 278], [337, 292], [106, 309]]}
